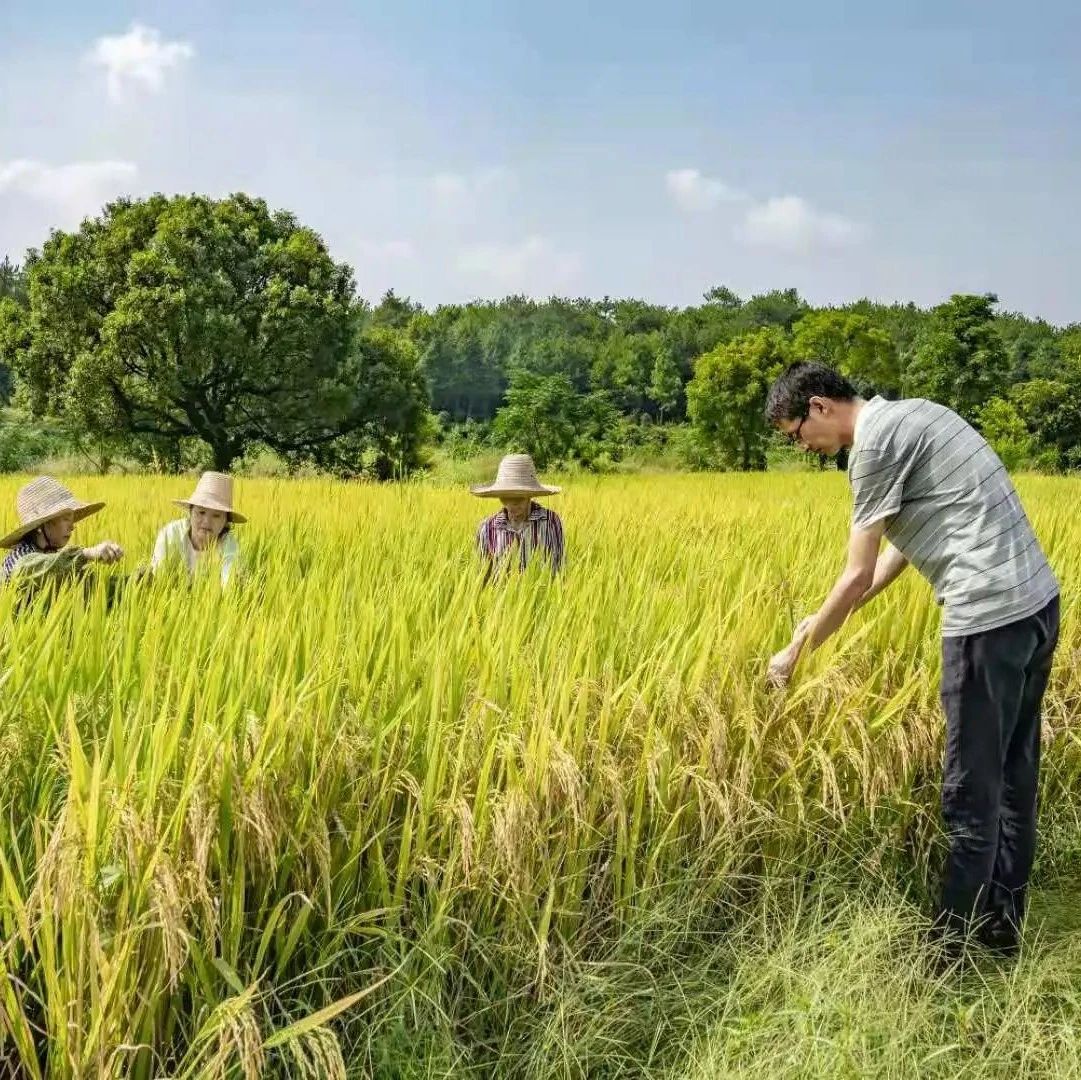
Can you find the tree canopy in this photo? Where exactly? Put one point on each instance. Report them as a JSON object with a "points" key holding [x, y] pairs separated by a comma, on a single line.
{"points": [[170, 319], [171, 322]]}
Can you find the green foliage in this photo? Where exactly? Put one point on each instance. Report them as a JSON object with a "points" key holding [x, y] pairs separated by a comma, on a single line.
{"points": [[389, 422], [723, 297], [461, 442], [959, 358], [902, 322], [1051, 409], [727, 396], [462, 353], [12, 282], [665, 384], [23, 444], [14, 340], [851, 344], [624, 367], [393, 312], [1005, 429], [217, 320], [566, 355], [781, 308], [1032, 347], [539, 418], [546, 417], [181, 332]]}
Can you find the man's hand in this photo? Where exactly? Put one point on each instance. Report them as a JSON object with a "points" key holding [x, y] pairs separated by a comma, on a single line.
{"points": [[854, 582], [108, 551], [783, 664]]}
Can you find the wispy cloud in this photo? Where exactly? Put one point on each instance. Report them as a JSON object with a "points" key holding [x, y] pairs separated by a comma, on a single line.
{"points": [[789, 223], [137, 60], [533, 265], [692, 191], [74, 190], [785, 223]]}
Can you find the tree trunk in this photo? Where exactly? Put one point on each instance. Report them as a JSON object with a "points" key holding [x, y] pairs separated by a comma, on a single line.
{"points": [[225, 453]]}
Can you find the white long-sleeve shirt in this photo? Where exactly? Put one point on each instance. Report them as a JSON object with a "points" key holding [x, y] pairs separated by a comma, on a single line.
{"points": [[174, 542]]}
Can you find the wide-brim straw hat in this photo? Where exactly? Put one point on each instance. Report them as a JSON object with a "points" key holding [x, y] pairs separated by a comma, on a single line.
{"points": [[517, 476], [214, 492], [42, 500]]}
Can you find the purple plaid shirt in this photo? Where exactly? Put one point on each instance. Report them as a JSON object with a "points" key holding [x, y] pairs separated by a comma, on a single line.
{"points": [[499, 543]]}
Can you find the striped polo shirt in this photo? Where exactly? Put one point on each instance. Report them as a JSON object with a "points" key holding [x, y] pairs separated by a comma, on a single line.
{"points": [[951, 510]]}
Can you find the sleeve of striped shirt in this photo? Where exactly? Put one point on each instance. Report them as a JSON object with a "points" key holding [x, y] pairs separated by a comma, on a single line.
{"points": [[42, 566], [482, 539], [878, 483], [556, 544]]}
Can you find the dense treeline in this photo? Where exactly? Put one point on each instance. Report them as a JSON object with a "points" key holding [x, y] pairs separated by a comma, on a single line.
{"points": [[184, 330], [592, 380]]}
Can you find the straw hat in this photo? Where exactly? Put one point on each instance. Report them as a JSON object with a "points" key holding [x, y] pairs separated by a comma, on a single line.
{"points": [[517, 476], [42, 500], [214, 492]]}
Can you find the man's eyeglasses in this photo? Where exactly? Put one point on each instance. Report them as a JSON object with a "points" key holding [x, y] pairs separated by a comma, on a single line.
{"points": [[793, 436]]}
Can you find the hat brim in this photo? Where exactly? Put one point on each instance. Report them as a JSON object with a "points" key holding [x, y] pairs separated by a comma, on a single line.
{"points": [[490, 491], [79, 511], [234, 517]]}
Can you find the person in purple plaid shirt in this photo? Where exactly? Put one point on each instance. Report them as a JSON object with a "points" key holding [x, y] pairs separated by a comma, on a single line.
{"points": [[38, 551], [512, 535]]}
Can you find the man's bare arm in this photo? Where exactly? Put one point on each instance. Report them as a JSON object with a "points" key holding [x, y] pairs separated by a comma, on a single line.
{"points": [[891, 563], [856, 580]]}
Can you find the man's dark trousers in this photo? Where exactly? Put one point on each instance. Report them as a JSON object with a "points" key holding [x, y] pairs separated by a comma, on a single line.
{"points": [[992, 688]]}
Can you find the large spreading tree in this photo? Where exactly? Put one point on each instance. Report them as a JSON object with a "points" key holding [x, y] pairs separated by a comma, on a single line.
{"points": [[171, 319]]}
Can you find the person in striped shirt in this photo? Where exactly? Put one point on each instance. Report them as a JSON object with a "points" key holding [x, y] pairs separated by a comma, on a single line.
{"points": [[510, 537], [928, 482], [38, 549]]}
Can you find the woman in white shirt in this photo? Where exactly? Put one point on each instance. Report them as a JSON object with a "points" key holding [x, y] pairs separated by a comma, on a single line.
{"points": [[205, 535]]}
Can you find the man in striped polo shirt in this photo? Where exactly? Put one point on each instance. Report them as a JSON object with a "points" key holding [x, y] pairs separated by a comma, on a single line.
{"points": [[929, 483]]}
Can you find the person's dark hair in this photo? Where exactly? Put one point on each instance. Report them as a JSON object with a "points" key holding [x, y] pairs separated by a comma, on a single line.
{"points": [[789, 397]]}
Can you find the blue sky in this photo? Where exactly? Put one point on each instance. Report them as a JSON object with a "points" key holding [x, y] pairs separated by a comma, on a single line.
{"points": [[473, 149]]}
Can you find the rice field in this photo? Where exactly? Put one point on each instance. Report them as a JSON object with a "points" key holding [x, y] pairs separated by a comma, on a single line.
{"points": [[299, 827]]}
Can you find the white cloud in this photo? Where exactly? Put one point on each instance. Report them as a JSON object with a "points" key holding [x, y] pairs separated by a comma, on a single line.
{"points": [[692, 191], [785, 223], [74, 190], [533, 265], [790, 223], [137, 59]]}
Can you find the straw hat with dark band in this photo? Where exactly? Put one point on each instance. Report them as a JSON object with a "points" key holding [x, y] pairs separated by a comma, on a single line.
{"points": [[517, 478], [41, 501], [214, 492]]}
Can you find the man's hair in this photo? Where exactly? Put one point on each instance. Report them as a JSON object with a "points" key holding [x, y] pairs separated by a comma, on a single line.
{"points": [[789, 397]]}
